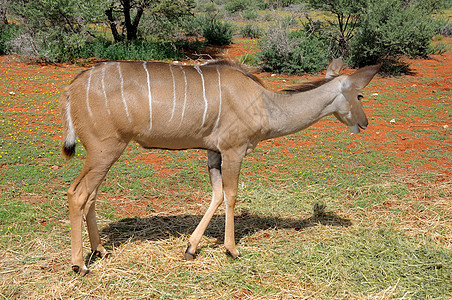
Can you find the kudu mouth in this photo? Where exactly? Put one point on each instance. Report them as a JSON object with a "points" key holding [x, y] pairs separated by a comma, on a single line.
{"points": [[358, 126], [363, 125]]}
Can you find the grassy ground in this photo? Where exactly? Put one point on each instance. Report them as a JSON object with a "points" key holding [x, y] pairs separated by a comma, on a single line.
{"points": [[321, 214]]}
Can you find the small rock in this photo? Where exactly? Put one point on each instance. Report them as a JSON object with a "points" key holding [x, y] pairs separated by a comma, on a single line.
{"points": [[446, 126], [375, 94], [12, 93], [392, 121]]}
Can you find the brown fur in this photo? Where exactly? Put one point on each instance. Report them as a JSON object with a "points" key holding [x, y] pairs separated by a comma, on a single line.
{"points": [[304, 87], [239, 67], [218, 106]]}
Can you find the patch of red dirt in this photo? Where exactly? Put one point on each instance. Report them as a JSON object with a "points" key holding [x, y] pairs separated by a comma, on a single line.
{"points": [[157, 163]]}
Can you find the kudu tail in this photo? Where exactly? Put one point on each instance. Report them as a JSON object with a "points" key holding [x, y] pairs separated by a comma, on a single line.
{"points": [[68, 127]]}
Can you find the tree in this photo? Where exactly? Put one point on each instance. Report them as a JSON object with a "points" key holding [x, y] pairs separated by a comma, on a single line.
{"points": [[54, 29], [160, 15], [347, 14], [58, 30]]}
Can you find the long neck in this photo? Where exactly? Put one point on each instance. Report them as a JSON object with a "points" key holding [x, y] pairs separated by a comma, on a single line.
{"points": [[289, 113]]}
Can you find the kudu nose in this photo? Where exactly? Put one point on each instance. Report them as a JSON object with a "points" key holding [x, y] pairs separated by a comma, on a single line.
{"points": [[363, 125]]}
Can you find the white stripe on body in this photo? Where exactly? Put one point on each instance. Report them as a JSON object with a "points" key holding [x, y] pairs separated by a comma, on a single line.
{"points": [[219, 105], [203, 95], [185, 95], [149, 95], [87, 93], [122, 92], [103, 89], [174, 92]]}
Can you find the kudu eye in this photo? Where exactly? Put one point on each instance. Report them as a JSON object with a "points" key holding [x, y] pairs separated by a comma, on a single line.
{"points": [[360, 97]]}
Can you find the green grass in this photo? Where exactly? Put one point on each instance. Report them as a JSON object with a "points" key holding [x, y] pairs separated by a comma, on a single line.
{"points": [[384, 233]]}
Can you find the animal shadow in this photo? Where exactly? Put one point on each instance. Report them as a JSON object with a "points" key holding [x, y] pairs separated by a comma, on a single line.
{"points": [[162, 227]]}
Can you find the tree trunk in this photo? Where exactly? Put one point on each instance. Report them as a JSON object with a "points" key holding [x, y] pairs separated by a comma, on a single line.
{"points": [[131, 26], [112, 23]]}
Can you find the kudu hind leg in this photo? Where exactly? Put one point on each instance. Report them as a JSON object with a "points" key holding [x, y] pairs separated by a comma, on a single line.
{"points": [[214, 164], [81, 197], [91, 222]]}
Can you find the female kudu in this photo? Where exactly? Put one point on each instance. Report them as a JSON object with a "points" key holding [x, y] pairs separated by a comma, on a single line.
{"points": [[216, 106]]}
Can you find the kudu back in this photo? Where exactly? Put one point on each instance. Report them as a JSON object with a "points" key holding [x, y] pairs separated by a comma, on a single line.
{"points": [[217, 106]]}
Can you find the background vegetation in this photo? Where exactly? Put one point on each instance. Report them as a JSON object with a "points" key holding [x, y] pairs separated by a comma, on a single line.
{"points": [[309, 33]]}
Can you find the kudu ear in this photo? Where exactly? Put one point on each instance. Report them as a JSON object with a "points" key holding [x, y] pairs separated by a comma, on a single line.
{"points": [[361, 78], [334, 68]]}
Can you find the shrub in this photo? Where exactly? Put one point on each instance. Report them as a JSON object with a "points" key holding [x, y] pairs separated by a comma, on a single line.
{"points": [[251, 31], [296, 52], [391, 29], [216, 32], [446, 30], [249, 59], [135, 50], [7, 33], [233, 6], [250, 14]]}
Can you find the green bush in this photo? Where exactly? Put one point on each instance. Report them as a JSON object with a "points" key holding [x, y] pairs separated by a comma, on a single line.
{"points": [[293, 52], [7, 33], [446, 29], [216, 32], [249, 59], [391, 29], [233, 6], [134, 50], [250, 14], [251, 31]]}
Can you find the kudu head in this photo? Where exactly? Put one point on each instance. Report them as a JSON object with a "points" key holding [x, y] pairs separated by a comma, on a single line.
{"points": [[349, 109]]}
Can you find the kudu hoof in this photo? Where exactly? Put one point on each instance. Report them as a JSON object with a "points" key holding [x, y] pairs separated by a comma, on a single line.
{"points": [[189, 255], [234, 256], [82, 271], [99, 254]]}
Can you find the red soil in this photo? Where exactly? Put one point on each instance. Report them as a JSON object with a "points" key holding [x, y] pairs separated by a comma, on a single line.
{"points": [[428, 83]]}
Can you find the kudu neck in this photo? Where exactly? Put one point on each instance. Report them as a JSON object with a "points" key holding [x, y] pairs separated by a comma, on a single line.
{"points": [[290, 113]]}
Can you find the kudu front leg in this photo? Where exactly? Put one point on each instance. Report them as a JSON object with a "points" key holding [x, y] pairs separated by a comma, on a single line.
{"points": [[231, 171], [214, 164]]}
